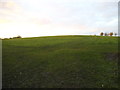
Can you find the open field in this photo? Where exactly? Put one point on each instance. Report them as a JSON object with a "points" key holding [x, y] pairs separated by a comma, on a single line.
{"points": [[60, 62]]}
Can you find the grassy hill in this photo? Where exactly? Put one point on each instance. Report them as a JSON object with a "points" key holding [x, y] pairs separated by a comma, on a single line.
{"points": [[60, 61]]}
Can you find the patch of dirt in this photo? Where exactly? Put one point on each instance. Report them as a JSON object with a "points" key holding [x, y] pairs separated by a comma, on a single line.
{"points": [[112, 56]]}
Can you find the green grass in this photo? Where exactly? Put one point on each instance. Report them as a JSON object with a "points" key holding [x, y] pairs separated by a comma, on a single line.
{"points": [[60, 62]]}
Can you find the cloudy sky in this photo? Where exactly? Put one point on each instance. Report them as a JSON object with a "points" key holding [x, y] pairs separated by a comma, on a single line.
{"points": [[32, 18]]}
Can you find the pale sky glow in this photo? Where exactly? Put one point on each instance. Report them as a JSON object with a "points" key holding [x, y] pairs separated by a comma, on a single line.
{"points": [[32, 18]]}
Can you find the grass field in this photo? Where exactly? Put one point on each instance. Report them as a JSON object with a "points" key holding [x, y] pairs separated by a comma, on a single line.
{"points": [[60, 62]]}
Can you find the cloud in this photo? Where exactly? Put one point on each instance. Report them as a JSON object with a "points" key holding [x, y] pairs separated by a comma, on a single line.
{"points": [[10, 6], [9, 10], [4, 21], [54, 17]]}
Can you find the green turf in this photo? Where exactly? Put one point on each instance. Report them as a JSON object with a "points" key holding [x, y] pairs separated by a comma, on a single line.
{"points": [[60, 62]]}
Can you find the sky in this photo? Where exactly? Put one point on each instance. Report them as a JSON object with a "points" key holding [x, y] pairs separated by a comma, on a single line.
{"points": [[33, 18]]}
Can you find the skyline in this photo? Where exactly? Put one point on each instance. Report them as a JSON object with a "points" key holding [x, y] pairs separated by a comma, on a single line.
{"points": [[32, 18]]}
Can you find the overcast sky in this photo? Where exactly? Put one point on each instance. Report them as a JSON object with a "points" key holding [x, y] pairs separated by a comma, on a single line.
{"points": [[32, 18]]}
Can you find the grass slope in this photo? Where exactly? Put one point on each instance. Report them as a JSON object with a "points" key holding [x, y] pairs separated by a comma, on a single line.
{"points": [[60, 61]]}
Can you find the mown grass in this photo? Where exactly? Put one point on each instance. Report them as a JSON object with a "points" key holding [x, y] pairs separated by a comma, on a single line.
{"points": [[60, 62]]}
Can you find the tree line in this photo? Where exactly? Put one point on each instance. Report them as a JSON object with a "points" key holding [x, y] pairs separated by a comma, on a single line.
{"points": [[13, 37], [108, 34]]}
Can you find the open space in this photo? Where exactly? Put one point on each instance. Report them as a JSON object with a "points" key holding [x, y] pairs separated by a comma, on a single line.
{"points": [[60, 62]]}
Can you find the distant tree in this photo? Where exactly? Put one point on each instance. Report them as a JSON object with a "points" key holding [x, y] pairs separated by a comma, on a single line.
{"points": [[14, 37], [106, 34], [115, 34], [111, 33], [19, 36], [6, 38], [101, 34], [10, 38]]}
